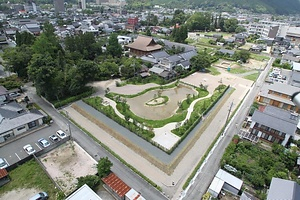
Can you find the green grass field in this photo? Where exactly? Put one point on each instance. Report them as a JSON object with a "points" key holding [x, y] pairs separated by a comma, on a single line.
{"points": [[31, 175], [252, 77], [239, 70]]}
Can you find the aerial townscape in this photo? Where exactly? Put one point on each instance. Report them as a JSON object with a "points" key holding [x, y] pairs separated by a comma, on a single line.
{"points": [[149, 100]]}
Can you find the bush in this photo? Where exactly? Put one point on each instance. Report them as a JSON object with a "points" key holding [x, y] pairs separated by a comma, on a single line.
{"points": [[64, 102], [91, 180]]}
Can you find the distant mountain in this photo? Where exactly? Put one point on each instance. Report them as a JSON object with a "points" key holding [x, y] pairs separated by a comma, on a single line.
{"points": [[258, 6]]}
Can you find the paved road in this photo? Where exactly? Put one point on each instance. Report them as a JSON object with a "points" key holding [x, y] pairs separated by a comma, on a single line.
{"points": [[203, 180], [96, 151]]}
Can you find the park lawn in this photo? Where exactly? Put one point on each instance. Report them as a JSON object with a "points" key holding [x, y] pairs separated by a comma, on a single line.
{"points": [[252, 77], [31, 175], [239, 70], [214, 71], [224, 34], [259, 57]]}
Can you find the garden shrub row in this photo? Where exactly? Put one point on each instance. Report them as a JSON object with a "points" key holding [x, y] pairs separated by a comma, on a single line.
{"points": [[96, 102]]}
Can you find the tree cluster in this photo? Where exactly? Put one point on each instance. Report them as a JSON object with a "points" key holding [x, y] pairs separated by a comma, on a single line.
{"points": [[60, 69]]}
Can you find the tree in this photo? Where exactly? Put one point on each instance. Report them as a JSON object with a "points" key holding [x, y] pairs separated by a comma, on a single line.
{"points": [[131, 67], [199, 21], [91, 180], [179, 17], [230, 25], [113, 47], [24, 38], [201, 61], [242, 55], [17, 59], [179, 34], [104, 165]]}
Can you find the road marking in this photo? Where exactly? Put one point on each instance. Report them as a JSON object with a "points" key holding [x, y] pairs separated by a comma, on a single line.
{"points": [[6, 161], [18, 156], [38, 146]]}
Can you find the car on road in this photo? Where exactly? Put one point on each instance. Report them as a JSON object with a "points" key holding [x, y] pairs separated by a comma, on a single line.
{"points": [[3, 163], [61, 134], [43, 142], [53, 138], [29, 149], [40, 196]]}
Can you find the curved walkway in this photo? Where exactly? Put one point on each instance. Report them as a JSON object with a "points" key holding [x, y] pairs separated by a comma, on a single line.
{"points": [[163, 135]]}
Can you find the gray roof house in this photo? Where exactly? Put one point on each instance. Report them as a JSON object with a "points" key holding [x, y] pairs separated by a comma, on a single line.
{"points": [[295, 78], [14, 120], [273, 124], [227, 51], [155, 57], [286, 58], [281, 189]]}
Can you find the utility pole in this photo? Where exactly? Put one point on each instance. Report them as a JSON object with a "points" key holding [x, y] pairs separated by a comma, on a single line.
{"points": [[69, 127], [228, 113]]}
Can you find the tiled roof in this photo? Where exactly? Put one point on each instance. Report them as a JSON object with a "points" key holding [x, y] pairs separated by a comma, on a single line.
{"points": [[144, 43], [116, 184]]}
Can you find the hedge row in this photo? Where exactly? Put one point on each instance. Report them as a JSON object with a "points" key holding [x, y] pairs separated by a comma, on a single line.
{"points": [[64, 102]]}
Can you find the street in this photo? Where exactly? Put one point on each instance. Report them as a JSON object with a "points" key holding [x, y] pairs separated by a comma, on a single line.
{"points": [[203, 180]]}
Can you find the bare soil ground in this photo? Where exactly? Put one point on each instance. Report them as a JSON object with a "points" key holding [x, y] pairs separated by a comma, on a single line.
{"points": [[138, 104], [68, 162], [252, 64], [20, 194]]}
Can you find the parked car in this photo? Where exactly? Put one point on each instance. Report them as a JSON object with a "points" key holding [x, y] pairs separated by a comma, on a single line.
{"points": [[61, 134], [53, 138], [43, 142], [29, 149], [40, 196], [3, 163]]}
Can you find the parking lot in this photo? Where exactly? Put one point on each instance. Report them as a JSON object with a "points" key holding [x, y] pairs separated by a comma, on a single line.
{"points": [[13, 152]]}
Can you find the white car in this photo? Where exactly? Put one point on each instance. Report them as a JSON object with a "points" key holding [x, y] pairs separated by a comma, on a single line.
{"points": [[43, 142], [61, 134], [29, 149], [53, 138], [3, 163]]}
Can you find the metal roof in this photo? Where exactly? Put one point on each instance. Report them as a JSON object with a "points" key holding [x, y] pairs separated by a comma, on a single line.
{"points": [[281, 189], [229, 179], [296, 66], [277, 119], [84, 192]]}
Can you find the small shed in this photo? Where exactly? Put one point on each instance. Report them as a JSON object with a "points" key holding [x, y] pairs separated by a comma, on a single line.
{"points": [[226, 181], [133, 195], [84, 192]]}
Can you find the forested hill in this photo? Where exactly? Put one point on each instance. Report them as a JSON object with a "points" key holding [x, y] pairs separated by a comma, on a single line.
{"points": [[258, 6]]}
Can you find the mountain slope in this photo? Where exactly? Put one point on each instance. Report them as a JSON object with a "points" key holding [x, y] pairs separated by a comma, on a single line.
{"points": [[258, 6]]}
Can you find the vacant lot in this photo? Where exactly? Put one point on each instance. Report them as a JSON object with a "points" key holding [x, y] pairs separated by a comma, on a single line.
{"points": [[27, 180], [68, 162], [138, 104]]}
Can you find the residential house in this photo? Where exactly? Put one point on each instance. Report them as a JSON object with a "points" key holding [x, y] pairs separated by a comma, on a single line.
{"points": [[286, 58], [295, 77], [240, 38], [155, 57], [278, 95], [116, 186], [31, 28], [143, 45], [283, 189], [14, 121], [4, 98], [226, 181], [227, 52], [274, 125]]}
